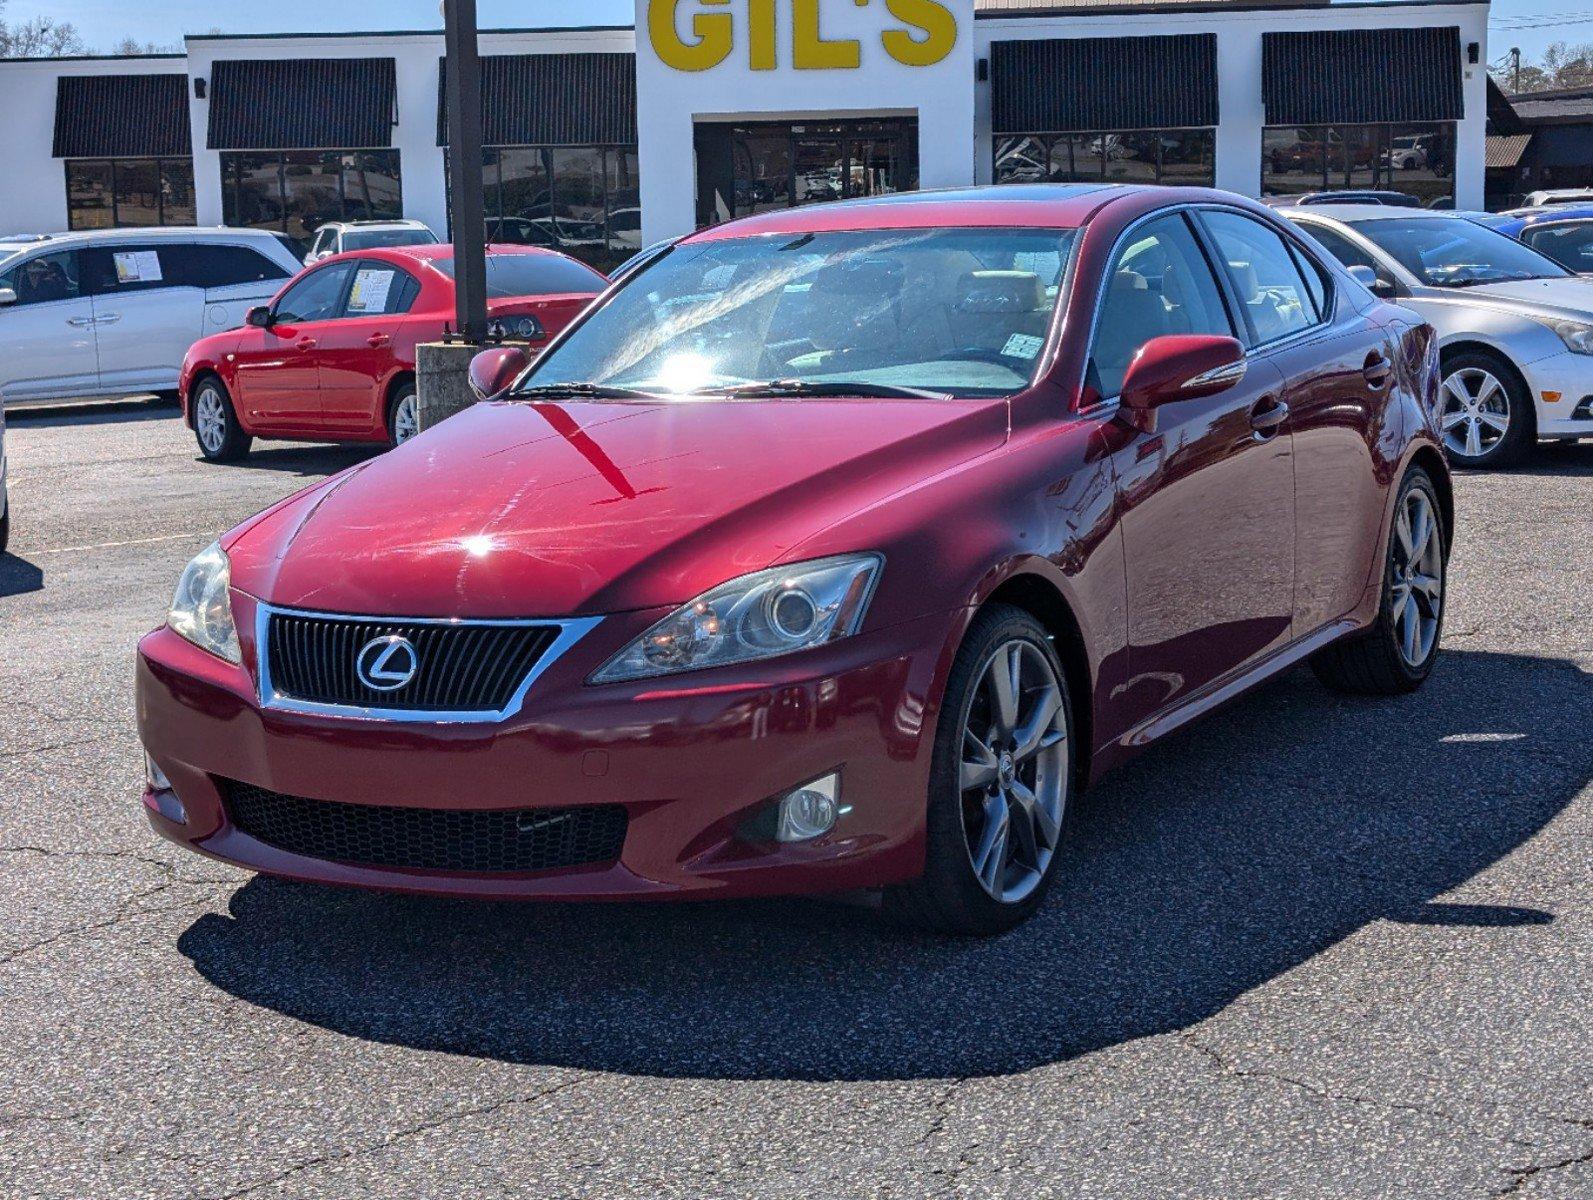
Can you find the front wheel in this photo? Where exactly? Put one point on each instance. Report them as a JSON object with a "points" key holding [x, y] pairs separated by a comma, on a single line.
{"points": [[1397, 654], [403, 416], [1484, 412], [216, 428], [1001, 782]]}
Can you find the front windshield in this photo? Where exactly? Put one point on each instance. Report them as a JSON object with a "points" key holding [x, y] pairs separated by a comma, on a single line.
{"points": [[1455, 252], [954, 312], [378, 239]]}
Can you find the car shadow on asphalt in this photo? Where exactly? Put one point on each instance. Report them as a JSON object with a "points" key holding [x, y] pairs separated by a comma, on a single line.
{"points": [[1214, 863], [310, 460], [18, 576]]}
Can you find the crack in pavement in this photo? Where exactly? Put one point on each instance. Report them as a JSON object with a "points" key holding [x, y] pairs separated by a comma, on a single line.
{"points": [[1526, 1175]]}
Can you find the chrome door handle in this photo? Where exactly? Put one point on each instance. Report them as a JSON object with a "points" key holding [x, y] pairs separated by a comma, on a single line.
{"points": [[108, 319], [305, 344], [377, 340], [1267, 416], [80, 322]]}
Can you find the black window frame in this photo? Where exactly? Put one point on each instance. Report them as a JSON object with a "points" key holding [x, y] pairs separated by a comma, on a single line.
{"points": [[232, 185], [1384, 178], [162, 164]]}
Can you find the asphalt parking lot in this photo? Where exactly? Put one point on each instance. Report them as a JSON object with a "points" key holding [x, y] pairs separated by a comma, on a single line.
{"points": [[1315, 947]]}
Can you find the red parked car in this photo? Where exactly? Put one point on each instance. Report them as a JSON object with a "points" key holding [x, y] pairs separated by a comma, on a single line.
{"points": [[838, 548], [332, 358]]}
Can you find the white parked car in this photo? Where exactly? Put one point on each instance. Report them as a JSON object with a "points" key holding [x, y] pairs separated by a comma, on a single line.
{"points": [[1515, 328], [1557, 196], [112, 312], [338, 236]]}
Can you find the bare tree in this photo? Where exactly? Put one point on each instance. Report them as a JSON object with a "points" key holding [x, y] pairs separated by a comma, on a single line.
{"points": [[1562, 66], [42, 37]]}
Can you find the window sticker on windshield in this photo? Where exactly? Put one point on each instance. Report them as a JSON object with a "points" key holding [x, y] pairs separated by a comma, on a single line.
{"points": [[137, 266], [371, 286], [1022, 345]]}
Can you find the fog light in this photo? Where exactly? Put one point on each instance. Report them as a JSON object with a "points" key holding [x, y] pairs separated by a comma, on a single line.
{"points": [[155, 777], [810, 811]]}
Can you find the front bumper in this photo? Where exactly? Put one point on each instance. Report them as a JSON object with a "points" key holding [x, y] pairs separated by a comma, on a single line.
{"points": [[691, 758], [1570, 377]]}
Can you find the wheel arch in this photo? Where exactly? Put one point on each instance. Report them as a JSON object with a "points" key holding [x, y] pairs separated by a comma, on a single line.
{"points": [[208, 371], [400, 377], [1431, 460]]}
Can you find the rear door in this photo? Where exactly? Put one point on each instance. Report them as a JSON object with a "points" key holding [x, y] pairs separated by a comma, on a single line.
{"points": [[356, 351], [146, 314], [48, 333], [234, 278], [277, 373]]}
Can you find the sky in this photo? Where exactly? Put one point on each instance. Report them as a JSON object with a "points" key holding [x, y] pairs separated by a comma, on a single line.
{"points": [[1529, 24]]}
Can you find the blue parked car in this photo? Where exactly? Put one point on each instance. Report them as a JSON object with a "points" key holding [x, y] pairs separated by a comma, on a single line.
{"points": [[1564, 232]]}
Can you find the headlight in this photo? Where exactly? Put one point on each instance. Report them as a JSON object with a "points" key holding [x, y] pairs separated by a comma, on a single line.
{"points": [[756, 616], [201, 610], [1578, 337]]}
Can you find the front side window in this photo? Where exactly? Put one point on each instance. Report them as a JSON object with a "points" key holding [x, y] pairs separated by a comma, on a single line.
{"points": [[955, 312], [1159, 284], [1273, 297], [1570, 244], [1183, 157], [45, 278], [317, 296], [1455, 252], [1339, 246]]}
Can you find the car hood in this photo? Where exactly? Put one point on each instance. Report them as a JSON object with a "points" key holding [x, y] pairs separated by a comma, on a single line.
{"points": [[1571, 297], [521, 509]]}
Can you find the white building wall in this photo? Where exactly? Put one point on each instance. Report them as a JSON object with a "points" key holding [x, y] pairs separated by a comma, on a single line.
{"points": [[33, 183], [1241, 116]]}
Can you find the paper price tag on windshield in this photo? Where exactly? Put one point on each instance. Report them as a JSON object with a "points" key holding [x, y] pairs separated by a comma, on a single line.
{"points": [[1022, 345], [371, 287], [137, 266]]}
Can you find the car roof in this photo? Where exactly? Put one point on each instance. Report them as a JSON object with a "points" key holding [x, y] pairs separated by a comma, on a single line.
{"points": [[439, 252], [391, 223], [1369, 212], [1009, 205], [1557, 212], [141, 232]]}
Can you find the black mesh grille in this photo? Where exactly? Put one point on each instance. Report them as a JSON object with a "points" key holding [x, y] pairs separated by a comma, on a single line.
{"points": [[517, 840], [460, 668]]}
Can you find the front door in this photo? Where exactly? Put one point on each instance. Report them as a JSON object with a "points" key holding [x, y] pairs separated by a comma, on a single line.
{"points": [[1206, 498], [356, 351], [48, 331], [277, 373]]}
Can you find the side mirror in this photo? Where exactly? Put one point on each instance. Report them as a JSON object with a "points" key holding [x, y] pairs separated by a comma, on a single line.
{"points": [[1181, 367], [7, 297], [260, 318], [493, 372], [1377, 284]]}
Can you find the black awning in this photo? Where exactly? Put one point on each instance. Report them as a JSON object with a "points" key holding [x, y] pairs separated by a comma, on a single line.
{"points": [[122, 116], [302, 104], [1081, 84], [552, 100], [1362, 76]]}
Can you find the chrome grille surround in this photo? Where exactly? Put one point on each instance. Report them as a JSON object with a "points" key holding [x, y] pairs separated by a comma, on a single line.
{"points": [[566, 632]]}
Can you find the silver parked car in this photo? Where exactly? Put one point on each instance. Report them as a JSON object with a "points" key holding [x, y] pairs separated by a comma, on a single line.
{"points": [[1515, 327]]}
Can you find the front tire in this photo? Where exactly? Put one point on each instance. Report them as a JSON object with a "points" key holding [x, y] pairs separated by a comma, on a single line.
{"points": [[1484, 411], [1001, 782], [403, 415], [1397, 654], [216, 428]]}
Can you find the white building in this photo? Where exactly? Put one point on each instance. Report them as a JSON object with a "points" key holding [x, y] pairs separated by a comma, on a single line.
{"points": [[603, 139]]}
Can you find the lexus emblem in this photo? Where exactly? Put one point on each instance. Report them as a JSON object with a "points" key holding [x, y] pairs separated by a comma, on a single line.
{"points": [[386, 664]]}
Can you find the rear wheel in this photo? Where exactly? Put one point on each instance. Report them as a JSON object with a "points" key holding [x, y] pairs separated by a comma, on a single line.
{"points": [[403, 415], [1397, 654], [1484, 411], [1001, 782], [221, 438]]}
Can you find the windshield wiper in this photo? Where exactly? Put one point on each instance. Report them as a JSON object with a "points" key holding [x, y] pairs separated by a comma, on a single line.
{"points": [[586, 391], [803, 387]]}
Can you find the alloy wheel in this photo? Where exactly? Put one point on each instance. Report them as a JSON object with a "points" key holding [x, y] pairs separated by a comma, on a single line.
{"points": [[210, 420], [1475, 413], [406, 419], [1014, 781], [1416, 590]]}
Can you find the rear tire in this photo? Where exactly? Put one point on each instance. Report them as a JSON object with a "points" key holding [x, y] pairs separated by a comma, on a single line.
{"points": [[403, 414], [221, 438], [1479, 393], [1397, 654], [1001, 783]]}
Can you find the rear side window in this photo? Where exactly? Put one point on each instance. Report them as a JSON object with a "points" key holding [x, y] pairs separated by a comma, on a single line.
{"points": [[1273, 297], [317, 296], [1570, 245], [215, 266], [380, 289], [130, 268], [533, 275], [1159, 284]]}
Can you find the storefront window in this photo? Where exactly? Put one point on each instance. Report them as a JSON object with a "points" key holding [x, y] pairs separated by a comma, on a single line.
{"points": [[110, 193], [296, 191], [1418, 160], [1163, 156], [582, 200]]}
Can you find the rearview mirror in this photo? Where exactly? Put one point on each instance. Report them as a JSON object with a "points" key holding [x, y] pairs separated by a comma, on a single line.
{"points": [[1181, 367], [7, 297], [493, 372], [260, 318]]}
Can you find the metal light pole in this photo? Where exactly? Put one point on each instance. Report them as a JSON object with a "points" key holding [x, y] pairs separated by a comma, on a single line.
{"points": [[466, 184]]}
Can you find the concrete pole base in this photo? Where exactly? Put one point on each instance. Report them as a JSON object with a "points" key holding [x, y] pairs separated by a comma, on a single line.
{"points": [[442, 380]]}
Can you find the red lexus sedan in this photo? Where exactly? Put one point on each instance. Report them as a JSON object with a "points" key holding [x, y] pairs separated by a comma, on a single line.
{"points": [[836, 549], [332, 358]]}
